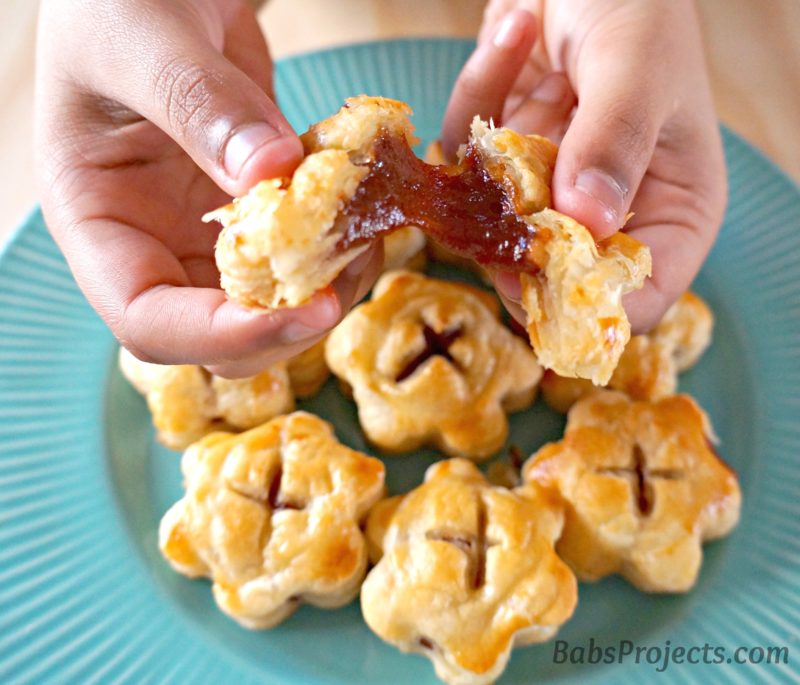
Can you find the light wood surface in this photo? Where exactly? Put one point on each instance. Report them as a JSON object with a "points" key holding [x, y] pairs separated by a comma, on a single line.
{"points": [[753, 49]]}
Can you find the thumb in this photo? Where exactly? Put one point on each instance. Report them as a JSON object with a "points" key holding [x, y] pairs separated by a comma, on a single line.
{"points": [[174, 76], [609, 143]]}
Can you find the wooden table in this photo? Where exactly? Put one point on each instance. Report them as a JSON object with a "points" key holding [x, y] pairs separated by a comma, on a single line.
{"points": [[753, 50]]}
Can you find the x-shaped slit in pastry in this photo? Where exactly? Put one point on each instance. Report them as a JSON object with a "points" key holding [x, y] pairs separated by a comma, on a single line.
{"points": [[436, 344], [640, 479], [475, 546], [273, 499]]}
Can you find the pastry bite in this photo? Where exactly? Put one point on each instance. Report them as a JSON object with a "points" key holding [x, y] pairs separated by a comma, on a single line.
{"points": [[466, 571], [187, 402], [360, 180], [430, 363], [272, 517], [649, 366], [308, 371], [643, 489]]}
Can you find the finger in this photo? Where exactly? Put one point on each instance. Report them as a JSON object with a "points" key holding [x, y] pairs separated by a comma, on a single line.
{"points": [[678, 252], [144, 294], [370, 274], [201, 270], [509, 289], [186, 325], [350, 286], [622, 104], [546, 110], [493, 13], [173, 75], [250, 366], [356, 279], [487, 77], [246, 46]]}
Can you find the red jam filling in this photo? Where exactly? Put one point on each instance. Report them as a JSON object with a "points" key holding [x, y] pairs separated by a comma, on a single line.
{"points": [[460, 207]]}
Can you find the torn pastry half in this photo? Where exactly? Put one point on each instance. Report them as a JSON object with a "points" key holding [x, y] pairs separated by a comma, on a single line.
{"points": [[187, 402], [360, 180], [272, 516], [465, 571]]}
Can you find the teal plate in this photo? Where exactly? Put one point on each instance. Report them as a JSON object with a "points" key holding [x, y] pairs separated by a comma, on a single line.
{"points": [[86, 598]]}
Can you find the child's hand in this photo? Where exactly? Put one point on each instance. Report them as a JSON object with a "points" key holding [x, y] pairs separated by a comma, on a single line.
{"points": [[149, 114], [643, 138]]}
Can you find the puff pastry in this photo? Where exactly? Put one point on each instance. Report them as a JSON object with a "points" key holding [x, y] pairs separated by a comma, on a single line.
{"points": [[649, 366], [465, 571], [286, 239], [643, 488], [272, 517], [429, 362], [187, 402]]}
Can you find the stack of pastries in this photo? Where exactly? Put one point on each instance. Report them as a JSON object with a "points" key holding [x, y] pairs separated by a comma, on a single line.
{"points": [[277, 512]]}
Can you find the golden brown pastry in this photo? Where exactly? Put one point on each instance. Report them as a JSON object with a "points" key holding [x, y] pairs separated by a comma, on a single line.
{"points": [[278, 246], [360, 180], [272, 516], [308, 371], [187, 402], [429, 362], [465, 571], [575, 318], [643, 489], [649, 366]]}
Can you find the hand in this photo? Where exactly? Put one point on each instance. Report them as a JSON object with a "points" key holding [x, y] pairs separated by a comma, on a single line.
{"points": [[622, 85], [148, 115]]}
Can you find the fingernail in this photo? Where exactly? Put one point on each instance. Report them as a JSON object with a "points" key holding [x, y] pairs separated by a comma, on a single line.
{"points": [[313, 320], [551, 90], [606, 191], [295, 332], [509, 32], [358, 265], [509, 284], [328, 310], [242, 144], [280, 151]]}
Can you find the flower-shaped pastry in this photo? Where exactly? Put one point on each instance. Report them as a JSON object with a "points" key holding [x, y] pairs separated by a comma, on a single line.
{"points": [[430, 363], [272, 517], [467, 571], [360, 180], [187, 402], [643, 489], [649, 366]]}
